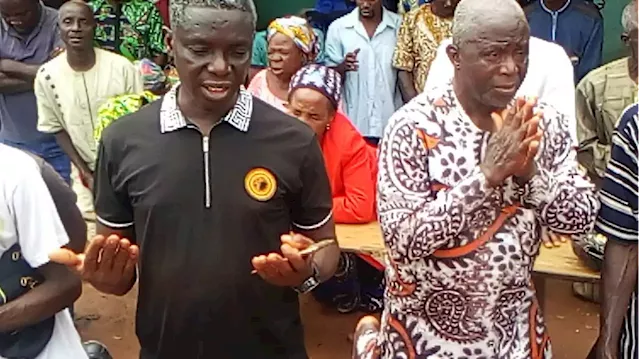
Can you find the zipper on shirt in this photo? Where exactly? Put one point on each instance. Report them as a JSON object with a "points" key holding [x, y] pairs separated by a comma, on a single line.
{"points": [[207, 180]]}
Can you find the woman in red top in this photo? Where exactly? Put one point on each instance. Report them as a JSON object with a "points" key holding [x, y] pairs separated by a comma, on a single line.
{"points": [[314, 96]]}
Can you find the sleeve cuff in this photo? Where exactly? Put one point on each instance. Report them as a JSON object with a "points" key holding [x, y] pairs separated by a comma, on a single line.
{"points": [[316, 225], [50, 128], [42, 257], [538, 190], [403, 66], [114, 225]]}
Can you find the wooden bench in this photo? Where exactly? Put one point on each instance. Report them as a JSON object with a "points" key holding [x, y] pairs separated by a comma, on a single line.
{"points": [[557, 263]]}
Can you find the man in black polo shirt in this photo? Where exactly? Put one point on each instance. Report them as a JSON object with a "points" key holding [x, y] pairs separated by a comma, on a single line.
{"points": [[207, 184]]}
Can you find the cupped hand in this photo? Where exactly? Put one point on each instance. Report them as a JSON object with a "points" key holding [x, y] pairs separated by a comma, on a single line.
{"points": [[288, 268], [107, 263], [350, 62]]}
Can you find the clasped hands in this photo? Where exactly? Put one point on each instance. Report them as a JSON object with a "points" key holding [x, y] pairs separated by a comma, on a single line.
{"points": [[512, 148], [109, 263]]}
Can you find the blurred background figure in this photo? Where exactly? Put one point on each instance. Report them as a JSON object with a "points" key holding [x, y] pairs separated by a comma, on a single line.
{"points": [[351, 164], [291, 44], [131, 28], [421, 32], [576, 25], [155, 83]]}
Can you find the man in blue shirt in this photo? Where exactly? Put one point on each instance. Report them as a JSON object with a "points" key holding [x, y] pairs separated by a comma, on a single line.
{"points": [[360, 45], [576, 25], [28, 37]]}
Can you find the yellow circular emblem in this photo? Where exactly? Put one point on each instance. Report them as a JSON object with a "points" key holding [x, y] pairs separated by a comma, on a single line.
{"points": [[260, 184]]}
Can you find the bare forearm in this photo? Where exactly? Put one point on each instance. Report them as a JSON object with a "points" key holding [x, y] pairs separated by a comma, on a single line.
{"points": [[67, 146], [19, 70], [60, 289], [11, 85], [619, 277], [407, 89]]}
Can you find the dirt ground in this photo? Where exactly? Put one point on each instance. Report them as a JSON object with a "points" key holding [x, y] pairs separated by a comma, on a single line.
{"points": [[572, 324]]}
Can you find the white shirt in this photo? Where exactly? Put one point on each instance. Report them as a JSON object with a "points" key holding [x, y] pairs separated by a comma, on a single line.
{"points": [[69, 100], [549, 77], [28, 216]]}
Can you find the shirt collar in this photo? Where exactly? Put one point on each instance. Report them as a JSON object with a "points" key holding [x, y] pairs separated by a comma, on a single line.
{"points": [[172, 119], [354, 19], [563, 8]]}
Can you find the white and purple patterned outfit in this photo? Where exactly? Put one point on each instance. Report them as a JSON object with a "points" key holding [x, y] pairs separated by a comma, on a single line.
{"points": [[461, 253]]}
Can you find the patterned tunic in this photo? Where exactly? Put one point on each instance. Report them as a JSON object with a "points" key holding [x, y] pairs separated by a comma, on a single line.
{"points": [[419, 36], [133, 31], [461, 253]]}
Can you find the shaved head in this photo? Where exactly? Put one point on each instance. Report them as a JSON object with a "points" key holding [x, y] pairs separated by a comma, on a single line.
{"points": [[76, 4], [472, 18], [630, 17]]}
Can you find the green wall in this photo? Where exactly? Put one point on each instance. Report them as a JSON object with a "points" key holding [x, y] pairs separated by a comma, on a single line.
{"points": [[271, 9], [612, 14]]}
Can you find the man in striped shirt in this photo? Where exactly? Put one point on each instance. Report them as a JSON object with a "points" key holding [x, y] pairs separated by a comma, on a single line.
{"points": [[618, 221]]}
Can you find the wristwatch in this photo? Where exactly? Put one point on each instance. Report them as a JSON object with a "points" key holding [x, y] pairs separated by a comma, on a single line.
{"points": [[310, 283]]}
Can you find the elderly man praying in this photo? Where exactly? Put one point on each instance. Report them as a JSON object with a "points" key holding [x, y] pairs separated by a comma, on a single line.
{"points": [[465, 188]]}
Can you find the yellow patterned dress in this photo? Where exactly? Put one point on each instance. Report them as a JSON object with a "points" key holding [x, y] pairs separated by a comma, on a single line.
{"points": [[419, 36], [119, 106]]}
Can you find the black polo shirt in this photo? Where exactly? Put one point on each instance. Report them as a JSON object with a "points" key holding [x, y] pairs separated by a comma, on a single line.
{"points": [[202, 207]]}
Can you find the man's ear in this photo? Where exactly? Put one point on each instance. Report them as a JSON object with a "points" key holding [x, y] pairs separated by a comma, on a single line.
{"points": [[168, 39], [454, 55]]}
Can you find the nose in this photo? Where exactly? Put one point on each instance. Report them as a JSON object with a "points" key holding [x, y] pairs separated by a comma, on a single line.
{"points": [[219, 65], [509, 66]]}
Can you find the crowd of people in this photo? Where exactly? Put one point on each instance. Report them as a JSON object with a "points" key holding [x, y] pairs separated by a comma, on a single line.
{"points": [[216, 160]]}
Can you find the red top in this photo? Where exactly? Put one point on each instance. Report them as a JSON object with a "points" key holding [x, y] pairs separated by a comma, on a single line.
{"points": [[163, 7], [351, 165]]}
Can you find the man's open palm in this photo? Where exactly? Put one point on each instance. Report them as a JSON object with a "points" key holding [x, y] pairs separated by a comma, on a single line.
{"points": [[107, 263]]}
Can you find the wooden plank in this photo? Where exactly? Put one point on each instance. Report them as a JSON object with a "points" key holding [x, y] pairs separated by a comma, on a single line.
{"points": [[559, 262]]}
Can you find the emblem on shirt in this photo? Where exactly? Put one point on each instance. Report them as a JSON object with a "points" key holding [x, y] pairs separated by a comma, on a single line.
{"points": [[260, 184]]}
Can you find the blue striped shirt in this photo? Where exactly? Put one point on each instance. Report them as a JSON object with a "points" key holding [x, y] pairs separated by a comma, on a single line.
{"points": [[618, 217]]}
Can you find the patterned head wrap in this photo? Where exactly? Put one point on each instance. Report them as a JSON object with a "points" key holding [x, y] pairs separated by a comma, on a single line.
{"points": [[299, 30], [153, 77], [320, 78]]}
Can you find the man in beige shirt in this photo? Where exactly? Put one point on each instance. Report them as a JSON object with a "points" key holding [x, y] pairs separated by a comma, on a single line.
{"points": [[601, 97], [72, 86]]}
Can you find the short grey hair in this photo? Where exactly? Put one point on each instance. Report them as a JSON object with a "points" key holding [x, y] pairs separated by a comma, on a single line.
{"points": [[630, 17], [177, 8], [470, 17]]}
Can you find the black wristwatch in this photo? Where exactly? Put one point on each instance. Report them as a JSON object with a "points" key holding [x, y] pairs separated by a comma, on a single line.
{"points": [[310, 283]]}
